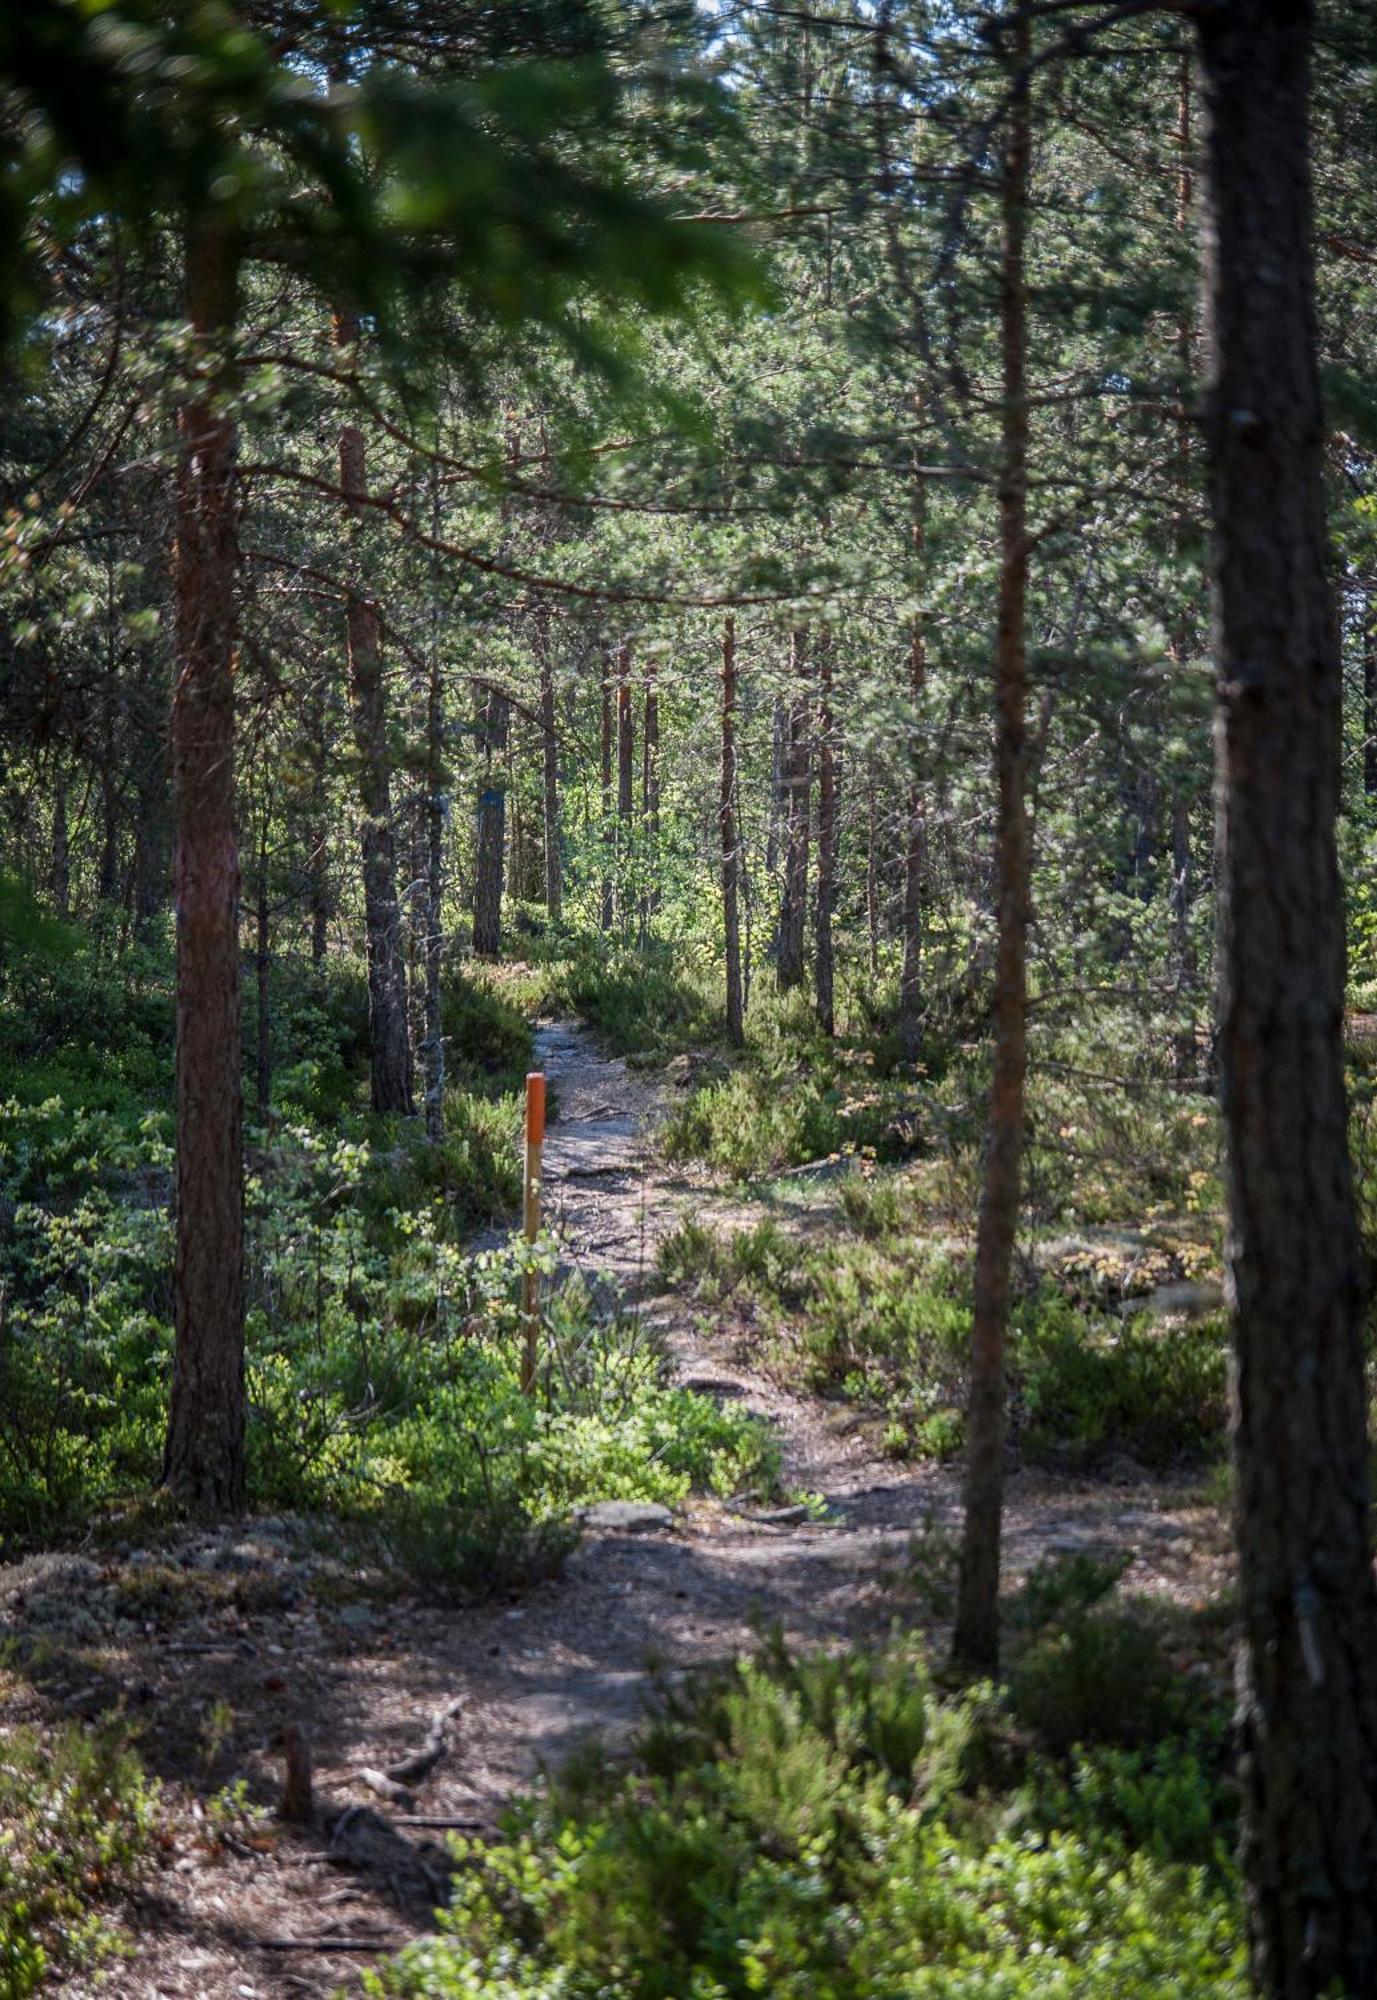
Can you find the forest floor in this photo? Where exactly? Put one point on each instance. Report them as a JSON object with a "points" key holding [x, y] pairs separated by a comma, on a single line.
{"points": [[216, 1641]]}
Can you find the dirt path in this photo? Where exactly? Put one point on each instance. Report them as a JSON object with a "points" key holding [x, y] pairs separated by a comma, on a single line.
{"points": [[534, 1677]]}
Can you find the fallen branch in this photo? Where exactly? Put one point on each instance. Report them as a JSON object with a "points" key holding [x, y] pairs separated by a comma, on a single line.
{"points": [[326, 1944], [412, 1769]]}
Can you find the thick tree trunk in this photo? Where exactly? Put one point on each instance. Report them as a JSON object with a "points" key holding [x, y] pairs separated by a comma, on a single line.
{"points": [[824, 968], [796, 785], [492, 832], [203, 1462], [1308, 1671], [1183, 956], [388, 1028], [549, 767], [976, 1638], [731, 852]]}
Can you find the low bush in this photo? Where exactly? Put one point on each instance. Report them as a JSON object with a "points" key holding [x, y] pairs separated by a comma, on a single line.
{"points": [[487, 1036], [383, 1356], [1156, 1391], [808, 1829], [640, 1002], [77, 1822], [883, 1317]]}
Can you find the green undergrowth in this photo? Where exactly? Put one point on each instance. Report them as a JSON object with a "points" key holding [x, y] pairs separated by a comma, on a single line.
{"points": [[656, 1001], [872, 1311], [383, 1355], [829, 1827], [78, 1822]]}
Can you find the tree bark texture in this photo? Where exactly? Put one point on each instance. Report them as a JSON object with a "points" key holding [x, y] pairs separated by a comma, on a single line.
{"points": [[549, 766], [1308, 1667], [317, 833], [203, 1461], [433, 1038], [650, 794], [626, 778], [388, 1028], [731, 851], [796, 785], [492, 832], [263, 963], [824, 963], [976, 1638]]}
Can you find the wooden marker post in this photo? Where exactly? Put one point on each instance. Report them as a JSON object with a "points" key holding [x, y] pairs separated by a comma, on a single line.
{"points": [[530, 1306]]}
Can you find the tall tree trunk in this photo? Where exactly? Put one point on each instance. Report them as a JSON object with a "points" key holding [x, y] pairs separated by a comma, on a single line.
{"points": [[388, 1028], [263, 1061], [108, 876], [796, 785], [650, 795], [549, 766], [872, 873], [976, 1637], [433, 1038], [823, 956], [778, 734], [731, 851], [317, 831], [1308, 1671], [626, 770], [203, 1461], [609, 835], [1183, 956], [492, 831]]}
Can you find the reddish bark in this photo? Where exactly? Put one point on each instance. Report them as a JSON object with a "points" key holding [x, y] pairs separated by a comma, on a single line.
{"points": [[203, 1461]]}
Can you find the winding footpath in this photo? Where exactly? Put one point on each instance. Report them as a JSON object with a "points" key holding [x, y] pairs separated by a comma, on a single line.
{"points": [[527, 1680]]}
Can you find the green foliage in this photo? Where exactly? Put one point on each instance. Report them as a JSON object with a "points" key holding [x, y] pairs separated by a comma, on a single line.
{"points": [[383, 1356], [808, 1827], [881, 1316], [487, 1036], [77, 1822], [1100, 1679], [1154, 1390], [640, 1002], [757, 1122]]}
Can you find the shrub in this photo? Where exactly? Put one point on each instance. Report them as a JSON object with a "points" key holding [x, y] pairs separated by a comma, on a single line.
{"points": [[639, 1002], [77, 1821], [1156, 1392], [794, 1827], [487, 1037], [1100, 1679]]}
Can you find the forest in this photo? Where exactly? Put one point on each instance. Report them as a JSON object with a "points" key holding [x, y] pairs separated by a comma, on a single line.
{"points": [[688, 999]]}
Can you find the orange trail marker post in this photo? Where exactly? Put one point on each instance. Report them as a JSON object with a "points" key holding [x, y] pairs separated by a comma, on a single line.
{"points": [[530, 1303]]}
